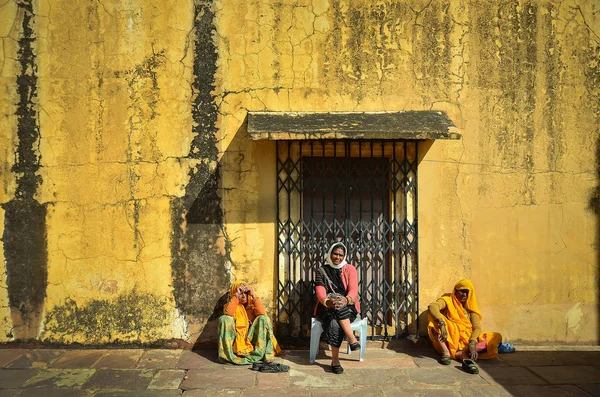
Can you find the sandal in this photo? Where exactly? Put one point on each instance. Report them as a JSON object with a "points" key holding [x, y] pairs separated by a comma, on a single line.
{"points": [[446, 360], [274, 368], [258, 365], [469, 366], [337, 369]]}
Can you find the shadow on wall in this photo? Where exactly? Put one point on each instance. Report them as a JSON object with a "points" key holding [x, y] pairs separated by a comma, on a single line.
{"points": [[204, 270], [595, 206]]}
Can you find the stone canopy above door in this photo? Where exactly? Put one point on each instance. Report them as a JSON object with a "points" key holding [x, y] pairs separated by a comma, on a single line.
{"points": [[413, 125]]}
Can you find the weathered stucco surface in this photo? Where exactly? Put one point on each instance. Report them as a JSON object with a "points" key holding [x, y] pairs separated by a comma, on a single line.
{"points": [[133, 158]]}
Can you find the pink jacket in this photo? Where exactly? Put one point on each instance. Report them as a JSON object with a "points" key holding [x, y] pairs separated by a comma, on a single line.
{"points": [[350, 280]]}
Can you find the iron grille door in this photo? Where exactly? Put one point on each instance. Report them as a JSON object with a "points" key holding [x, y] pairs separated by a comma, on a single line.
{"points": [[363, 193]]}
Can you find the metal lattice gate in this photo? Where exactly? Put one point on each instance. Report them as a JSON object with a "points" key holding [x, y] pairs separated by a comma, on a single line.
{"points": [[363, 193]]}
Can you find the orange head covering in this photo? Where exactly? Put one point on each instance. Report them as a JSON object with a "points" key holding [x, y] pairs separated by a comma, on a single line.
{"points": [[242, 345], [471, 304], [457, 317]]}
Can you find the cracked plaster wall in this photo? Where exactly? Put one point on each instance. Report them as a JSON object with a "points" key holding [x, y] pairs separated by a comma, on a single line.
{"points": [[508, 206], [135, 130]]}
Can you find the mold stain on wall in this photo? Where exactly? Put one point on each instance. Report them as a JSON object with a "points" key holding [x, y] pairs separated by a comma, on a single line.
{"points": [[199, 245], [24, 235], [131, 317]]}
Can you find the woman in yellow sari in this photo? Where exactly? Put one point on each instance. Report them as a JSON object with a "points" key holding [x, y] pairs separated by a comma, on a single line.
{"points": [[245, 331], [455, 329]]}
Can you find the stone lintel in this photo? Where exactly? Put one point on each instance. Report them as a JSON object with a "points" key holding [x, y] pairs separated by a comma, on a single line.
{"points": [[417, 124]]}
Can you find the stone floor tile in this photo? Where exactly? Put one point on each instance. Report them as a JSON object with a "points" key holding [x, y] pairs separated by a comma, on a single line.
{"points": [[138, 393], [484, 391], [280, 380], [159, 359], [198, 359], [443, 376], [504, 376], [240, 377], [576, 374], [545, 358], [120, 359], [78, 359], [318, 378], [167, 379], [60, 378], [9, 355], [54, 392], [212, 393], [278, 392], [377, 376], [125, 379], [427, 362], [14, 378], [40, 358], [420, 392], [349, 392], [592, 388], [546, 391]]}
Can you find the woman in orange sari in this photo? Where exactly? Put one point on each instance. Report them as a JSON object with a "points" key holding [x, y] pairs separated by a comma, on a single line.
{"points": [[245, 331], [455, 329]]}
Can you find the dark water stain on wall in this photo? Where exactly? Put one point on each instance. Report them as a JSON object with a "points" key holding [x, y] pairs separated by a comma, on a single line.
{"points": [[554, 70], [433, 49], [130, 317], [507, 40], [24, 237], [199, 262], [366, 46]]}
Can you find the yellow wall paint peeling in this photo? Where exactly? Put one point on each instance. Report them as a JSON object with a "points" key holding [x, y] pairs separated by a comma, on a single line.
{"points": [[132, 141]]}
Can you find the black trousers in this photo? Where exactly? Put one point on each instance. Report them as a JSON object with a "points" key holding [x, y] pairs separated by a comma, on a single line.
{"points": [[332, 332]]}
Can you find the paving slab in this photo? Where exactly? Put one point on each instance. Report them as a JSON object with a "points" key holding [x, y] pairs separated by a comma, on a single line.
{"points": [[318, 378], [420, 392], [592, 389], [427, 362], [507, 376], [40, 358], [547, 391], [12, 379], [198, 359], [122, 359], [123, 379], [277, 392], [159, 359], [545, 358], [443, 376], [377, 377], [270, 380], [139, 393], [218, 379], [212, 393], [53, 392], [78, 359], [167, 379], [9, 355], [10, 392], [577, 374], [351, 392], [60, 378], [484, 391]]}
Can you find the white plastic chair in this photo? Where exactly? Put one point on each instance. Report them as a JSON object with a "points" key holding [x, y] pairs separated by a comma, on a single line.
{"points": [[316, 328]]}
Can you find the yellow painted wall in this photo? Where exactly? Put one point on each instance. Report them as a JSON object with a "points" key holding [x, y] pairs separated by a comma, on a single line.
{"points": [[121, 96]]}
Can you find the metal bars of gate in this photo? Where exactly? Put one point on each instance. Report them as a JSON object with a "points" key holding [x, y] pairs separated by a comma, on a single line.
{"points": [[363, 193]]}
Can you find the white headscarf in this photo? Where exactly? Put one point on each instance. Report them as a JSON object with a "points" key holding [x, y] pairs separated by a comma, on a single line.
{"points": [[328, 260]]}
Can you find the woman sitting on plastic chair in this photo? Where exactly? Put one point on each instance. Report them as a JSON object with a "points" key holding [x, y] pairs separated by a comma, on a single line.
{"points": [[336, 287]]}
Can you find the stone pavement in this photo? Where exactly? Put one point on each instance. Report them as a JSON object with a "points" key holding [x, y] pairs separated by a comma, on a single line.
{"points": [[404, 370]]}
